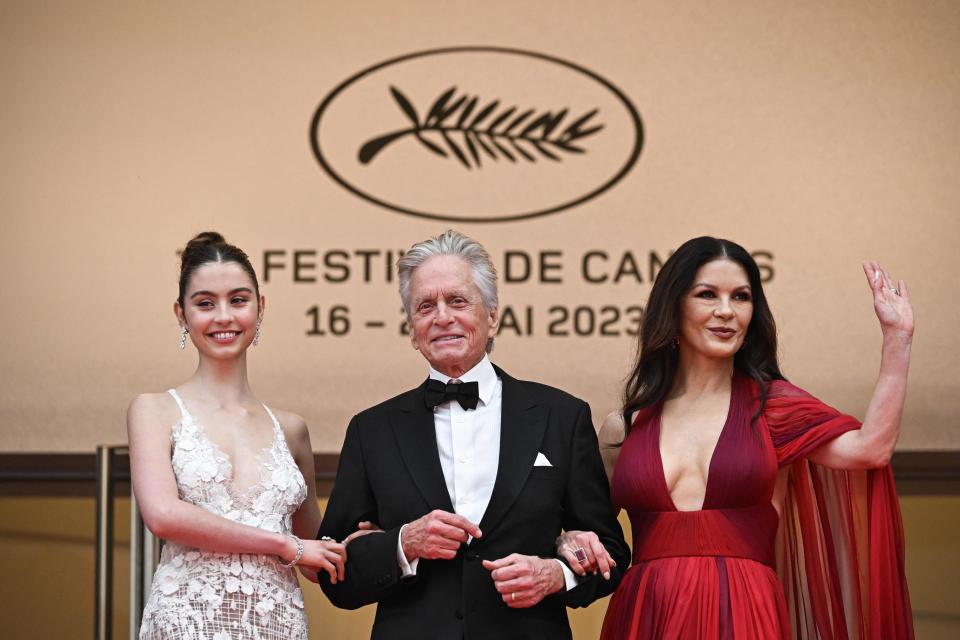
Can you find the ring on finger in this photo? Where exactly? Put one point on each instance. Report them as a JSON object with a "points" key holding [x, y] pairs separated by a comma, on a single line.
{"points": [[513, 596], [895, 291], [580, 555]]}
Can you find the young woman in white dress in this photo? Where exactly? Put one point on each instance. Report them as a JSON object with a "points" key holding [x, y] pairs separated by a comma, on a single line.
{"points": [[225, 481]]}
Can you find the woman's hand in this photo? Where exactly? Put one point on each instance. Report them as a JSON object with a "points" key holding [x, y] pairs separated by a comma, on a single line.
{"points": [[585, 553], [363, 529], [890, 301], [872, 445], [324, 555]]}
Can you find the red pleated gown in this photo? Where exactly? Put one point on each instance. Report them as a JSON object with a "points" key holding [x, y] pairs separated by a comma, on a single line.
{"points": [[830, 567]]}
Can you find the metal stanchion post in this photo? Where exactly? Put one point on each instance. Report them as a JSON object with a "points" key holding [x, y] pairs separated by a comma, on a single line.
{"points": [[103, 588], [136, 567], [144, 557], [151, 558]]}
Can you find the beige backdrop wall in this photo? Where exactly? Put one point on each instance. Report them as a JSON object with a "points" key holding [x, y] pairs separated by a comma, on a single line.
{"points": [[816, 134]]}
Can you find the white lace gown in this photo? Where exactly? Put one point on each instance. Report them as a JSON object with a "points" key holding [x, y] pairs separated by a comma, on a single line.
{"points": [[203, 595]]}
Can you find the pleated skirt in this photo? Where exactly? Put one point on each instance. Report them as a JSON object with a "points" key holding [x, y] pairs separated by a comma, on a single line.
{"points": [[698, 597]]}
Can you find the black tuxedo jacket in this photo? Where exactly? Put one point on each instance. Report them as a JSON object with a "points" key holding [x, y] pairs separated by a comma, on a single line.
{"points": [[390, 473]]}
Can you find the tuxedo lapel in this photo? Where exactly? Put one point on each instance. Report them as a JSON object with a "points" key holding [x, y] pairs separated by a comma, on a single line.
{"points": [[522, 423], [417, 441]]}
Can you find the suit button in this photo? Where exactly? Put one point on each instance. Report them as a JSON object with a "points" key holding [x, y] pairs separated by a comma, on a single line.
{"points": [[459, 614], [473, 556]]}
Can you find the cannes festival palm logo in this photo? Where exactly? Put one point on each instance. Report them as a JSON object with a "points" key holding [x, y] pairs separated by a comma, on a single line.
{"points": [[476, 134], [469, 134]]}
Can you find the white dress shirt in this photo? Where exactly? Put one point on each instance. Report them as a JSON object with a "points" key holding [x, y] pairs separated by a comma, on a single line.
{"points": [[468, 442]]}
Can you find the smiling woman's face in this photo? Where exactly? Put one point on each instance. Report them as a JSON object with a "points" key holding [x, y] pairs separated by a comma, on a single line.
{"points": [[716, 312], [220, 309], [448, 322]]}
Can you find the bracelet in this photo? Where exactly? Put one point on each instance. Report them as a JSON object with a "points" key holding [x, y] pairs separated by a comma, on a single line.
{"points": [[297, 557]]}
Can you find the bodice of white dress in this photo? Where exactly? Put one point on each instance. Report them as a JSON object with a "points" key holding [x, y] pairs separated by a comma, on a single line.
{"points": [[205, 595]]}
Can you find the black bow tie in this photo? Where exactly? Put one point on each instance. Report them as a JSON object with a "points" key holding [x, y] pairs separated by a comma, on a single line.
{"points": [[466, 393]]}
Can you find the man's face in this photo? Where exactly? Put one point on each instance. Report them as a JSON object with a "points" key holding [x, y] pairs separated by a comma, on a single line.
{"points": [[448, 323]]}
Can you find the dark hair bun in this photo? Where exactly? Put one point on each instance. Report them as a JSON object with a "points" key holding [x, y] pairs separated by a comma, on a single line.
{"points": [[199, 244], [210, 246], [204, 239]]}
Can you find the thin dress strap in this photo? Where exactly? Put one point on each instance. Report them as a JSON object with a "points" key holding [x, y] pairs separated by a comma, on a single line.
{"points": [[183, 408], [278, 431], [276, 423]]}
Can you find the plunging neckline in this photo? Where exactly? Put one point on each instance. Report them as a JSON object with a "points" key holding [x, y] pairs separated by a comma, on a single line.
{"points": [[230, 481], [706, 484]]}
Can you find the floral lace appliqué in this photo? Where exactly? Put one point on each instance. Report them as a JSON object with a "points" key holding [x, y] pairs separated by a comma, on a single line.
{"points": [[203, 595]]}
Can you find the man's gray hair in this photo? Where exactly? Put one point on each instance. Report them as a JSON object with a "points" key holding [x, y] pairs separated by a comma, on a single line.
{"points": [[450, 243]]}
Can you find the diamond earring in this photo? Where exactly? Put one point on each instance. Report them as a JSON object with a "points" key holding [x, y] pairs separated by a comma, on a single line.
{"points": [[256, 336], [183, 337]]}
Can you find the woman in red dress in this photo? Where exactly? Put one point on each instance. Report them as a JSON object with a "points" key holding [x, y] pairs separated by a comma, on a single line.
{"points": [[757, 511]]}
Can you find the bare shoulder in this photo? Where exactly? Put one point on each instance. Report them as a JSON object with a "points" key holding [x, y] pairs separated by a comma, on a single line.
{"points": [[611, 437], [293, 425], [152, 410], [289, 421], [298, 438], [612, 429]]}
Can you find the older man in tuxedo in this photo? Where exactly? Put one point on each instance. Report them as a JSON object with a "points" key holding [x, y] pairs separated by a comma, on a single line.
{"points": [[472, 475]]}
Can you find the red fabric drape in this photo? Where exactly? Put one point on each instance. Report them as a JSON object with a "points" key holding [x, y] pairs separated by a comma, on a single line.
{"points": [[840, 551]]}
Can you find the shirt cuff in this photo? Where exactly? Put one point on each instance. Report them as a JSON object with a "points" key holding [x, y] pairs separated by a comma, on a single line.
{"points": [[409, 567], [569, 577]]}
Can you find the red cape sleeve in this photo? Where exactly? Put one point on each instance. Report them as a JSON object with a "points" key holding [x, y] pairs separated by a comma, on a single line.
{"points": [[840, 544]]}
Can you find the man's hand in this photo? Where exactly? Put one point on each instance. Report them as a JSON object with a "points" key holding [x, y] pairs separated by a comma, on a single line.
{"points": [[437, 536], [523, 581]]}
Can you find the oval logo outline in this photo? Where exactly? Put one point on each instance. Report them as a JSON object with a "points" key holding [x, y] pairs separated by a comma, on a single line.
{"points": [[631, 110]]}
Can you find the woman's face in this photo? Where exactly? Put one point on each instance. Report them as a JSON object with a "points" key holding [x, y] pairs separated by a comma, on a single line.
{"points": [[716, 311], [220, 309]]}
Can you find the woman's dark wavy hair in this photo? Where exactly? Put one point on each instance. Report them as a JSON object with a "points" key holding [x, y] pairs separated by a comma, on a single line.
{"points": [[210, 246], [657, 357]]}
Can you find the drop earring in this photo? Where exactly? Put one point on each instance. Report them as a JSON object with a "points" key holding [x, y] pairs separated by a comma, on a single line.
{"points": [[183, 337], [256, 335]]}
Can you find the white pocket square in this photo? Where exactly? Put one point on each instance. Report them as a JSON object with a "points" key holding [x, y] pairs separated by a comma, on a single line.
{"points": [[541, 461]]}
